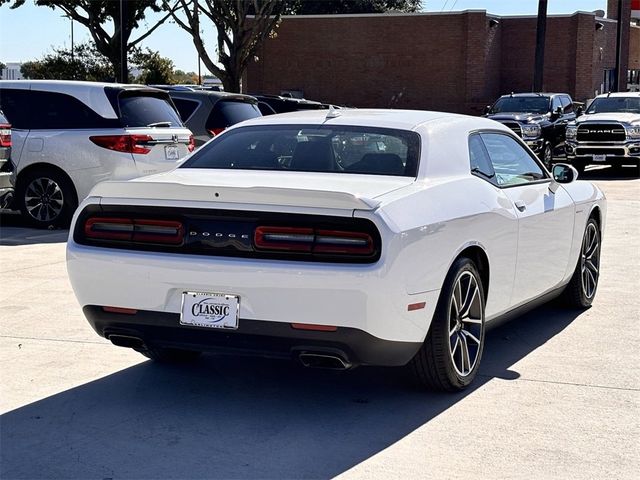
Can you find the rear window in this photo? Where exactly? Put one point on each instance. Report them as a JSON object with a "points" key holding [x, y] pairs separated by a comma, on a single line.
{"points": [[313, 148], [229, 112], [147, 111], [185, 107]]}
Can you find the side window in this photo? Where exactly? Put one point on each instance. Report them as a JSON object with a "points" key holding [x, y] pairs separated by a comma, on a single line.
{"points": [[511, 162], [555, 103], [185, 107], [15, 104], [52, 110], [479, 161], [567, 104]]}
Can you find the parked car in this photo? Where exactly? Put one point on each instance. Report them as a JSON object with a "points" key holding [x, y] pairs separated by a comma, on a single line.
{"points": [[272, 104], [207, 112], [7, 175], [608, 132], [539, 118], [68, 136], [267, 240]]}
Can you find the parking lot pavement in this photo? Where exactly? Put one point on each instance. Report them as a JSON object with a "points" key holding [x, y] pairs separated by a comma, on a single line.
{"points": [[558, 394]]}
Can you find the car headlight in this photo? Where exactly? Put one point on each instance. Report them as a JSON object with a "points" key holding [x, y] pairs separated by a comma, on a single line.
{"points": [[571, 132], [633, 131], [531, 131]]}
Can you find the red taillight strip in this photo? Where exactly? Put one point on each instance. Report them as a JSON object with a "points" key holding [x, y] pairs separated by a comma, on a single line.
{"points": [[5, 135], [284, 238], [314, 241], [123, 143], [167, 232], [334, 241]]}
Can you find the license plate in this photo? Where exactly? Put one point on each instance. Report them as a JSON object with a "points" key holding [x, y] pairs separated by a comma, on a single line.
{"points": [[599, 158], [211, 310], [171, 152]]}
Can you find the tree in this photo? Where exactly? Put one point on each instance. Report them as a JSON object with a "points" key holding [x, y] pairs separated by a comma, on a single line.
{"points": [[86, 63], [238, 37], [95, 14], [333, 7], [156, 70]]}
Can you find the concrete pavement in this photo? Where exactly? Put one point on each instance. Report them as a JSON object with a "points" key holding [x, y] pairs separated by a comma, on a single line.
{"points": [[558, 394]]}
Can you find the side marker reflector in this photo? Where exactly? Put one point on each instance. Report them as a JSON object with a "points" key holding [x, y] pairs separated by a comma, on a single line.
{"points": [[319, 328], [416, 306], [126, 311]]}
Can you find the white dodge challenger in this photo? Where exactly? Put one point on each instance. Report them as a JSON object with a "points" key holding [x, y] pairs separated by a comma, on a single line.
{"points": [[339, 238]]}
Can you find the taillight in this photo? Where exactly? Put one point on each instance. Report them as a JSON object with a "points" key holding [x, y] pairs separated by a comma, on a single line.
{"points": [[123, 143], [215, 131], [284, 238], [192, 144], [165, 232], [5, 135], [332, 242]]}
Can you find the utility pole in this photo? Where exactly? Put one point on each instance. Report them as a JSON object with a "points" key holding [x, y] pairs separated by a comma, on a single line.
{"points": [[124, 71], [541, 30]]}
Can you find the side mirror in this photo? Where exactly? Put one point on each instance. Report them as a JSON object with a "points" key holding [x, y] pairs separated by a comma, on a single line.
{"points": [[557, 112], [562, 173], [579, 111], [487, 109]]}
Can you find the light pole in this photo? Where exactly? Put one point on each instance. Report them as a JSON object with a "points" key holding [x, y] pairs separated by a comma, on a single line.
{"points": [[538, 68], [72, 49]]}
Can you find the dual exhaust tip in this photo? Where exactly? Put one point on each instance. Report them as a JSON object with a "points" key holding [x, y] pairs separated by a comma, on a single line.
{"points": [[326, 360]]}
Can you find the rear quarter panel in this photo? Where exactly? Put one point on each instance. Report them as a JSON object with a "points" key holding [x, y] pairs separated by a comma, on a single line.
{"points": [[429, 227]]}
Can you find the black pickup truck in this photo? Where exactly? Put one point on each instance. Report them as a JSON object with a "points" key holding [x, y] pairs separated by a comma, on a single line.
{"points": [[540, 119]]}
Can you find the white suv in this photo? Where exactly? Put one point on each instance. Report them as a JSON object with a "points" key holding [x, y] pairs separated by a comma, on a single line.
{"points": [[68, 136]]}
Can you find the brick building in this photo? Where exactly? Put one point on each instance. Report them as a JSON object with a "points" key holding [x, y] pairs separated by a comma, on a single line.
{"points": [[458, 61]]}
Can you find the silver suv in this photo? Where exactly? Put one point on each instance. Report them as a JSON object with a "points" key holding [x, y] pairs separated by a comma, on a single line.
{"points": [[68, 136]]}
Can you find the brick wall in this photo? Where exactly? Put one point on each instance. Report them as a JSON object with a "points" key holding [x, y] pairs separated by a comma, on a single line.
{"points": [[455, 62]]}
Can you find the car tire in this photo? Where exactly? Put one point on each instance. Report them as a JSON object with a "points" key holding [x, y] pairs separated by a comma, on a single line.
{"points": [[441, 363], [547, 156], [581, 289], [170, 355], [46, 198]]}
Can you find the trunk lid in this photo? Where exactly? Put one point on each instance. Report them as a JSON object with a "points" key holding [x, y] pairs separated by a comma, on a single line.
{"points": [[291, 189]]}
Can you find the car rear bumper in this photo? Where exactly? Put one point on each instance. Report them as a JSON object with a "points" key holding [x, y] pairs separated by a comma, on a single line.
{"points": [[368, 297], [253, 337]]}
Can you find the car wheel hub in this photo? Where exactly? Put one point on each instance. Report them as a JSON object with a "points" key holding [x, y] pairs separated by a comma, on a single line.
{"points": [[43, 199], [590, 261], [466, 324]]}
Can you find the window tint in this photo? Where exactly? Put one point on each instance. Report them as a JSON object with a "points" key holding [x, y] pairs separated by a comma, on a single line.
{"points": [[521, 104], [313, 148], [229, 112], [511, 162], [3, 119], [265, 109], [144, 110], [30, 109], [479, 159], [567, 104], [185, 107]]}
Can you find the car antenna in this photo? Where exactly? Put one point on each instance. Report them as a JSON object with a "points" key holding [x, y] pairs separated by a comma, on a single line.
{"points": [[333, 112], [511, 94], [608, 93]]}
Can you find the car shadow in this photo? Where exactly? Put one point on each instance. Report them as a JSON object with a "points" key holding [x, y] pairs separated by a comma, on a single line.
{"points": [[607, 172], [230, 417], [14, 230]]}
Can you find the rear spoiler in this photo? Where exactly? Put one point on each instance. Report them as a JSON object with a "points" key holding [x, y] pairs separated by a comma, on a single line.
{"points": [[275, 196]]}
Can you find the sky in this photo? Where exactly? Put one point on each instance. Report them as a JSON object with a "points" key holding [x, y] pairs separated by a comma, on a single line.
{"points": [[29, 32]]}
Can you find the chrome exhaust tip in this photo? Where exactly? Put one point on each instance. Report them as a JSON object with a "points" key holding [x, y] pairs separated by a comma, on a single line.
{"points": [[323, 360]]}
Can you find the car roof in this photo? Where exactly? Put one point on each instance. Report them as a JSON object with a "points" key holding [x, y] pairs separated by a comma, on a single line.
{"points": [[209, 93], [69, 85], [385, 118], [619, 94], [533, 94]]}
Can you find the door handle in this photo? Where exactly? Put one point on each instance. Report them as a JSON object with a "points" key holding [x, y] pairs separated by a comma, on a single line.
{"points": [[520, 205]]}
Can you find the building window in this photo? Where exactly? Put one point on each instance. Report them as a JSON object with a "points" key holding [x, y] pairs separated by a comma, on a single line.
{"points": [[633, 81]]}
